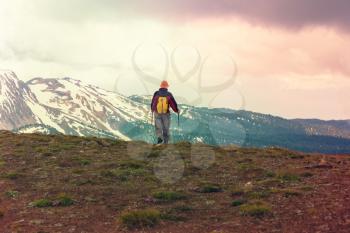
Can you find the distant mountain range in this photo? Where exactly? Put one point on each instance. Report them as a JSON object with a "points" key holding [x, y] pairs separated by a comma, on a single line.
{"points": [[71, 107]]}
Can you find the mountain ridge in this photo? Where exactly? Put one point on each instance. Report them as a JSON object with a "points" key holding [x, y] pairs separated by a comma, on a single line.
{"points": [[74, 108]]}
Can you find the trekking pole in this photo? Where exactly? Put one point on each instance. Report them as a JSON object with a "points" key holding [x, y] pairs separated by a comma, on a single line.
{"points": [[152, 118], [178, 120]]}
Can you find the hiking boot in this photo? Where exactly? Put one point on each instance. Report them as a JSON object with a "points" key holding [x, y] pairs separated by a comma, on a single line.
{"points": [[159, 141]]}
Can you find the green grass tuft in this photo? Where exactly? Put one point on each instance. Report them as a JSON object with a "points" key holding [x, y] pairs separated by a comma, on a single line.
{"points": [[291, 193], [238, 202], [296, 156], [306, 188], [289, 177], [132, 165], [182, 208], [2, 162], [306, 174], [154, 154], [209, 188], [169, 196], [81, 161], [64, 200], [287, 192], [12, 193], [172, 217], [123, 173], [140, 218], [11, 175], [42, 203], [270, 174], [259, 194], [85, 162], [257, 209]]}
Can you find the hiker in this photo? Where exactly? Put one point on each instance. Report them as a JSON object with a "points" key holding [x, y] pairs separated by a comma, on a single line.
{"points": [[161, 101]]}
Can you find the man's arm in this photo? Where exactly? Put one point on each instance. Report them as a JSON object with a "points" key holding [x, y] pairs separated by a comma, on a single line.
{"points": [[173, 103]]}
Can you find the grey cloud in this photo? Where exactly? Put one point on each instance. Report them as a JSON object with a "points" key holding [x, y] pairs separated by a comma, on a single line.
{"points": [[286, 13]]}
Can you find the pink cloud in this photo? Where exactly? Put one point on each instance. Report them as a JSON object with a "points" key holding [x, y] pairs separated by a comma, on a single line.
{"points": [[289, 73]]}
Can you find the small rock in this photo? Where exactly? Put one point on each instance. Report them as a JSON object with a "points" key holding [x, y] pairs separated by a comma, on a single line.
{"points": [[248, 185], [36, 222], [150, 200]]}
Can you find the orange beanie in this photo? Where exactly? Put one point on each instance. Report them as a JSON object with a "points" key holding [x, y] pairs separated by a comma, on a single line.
{"points": [[164, 84]]}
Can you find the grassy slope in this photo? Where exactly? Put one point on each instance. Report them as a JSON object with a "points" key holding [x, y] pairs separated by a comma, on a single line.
{"points": [[72, 184]]}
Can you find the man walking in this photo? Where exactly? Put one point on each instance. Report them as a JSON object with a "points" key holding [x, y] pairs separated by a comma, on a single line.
{"points": [[161, 101]]}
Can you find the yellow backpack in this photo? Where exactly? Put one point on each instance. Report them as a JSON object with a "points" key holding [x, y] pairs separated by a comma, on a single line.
{"points": [[162, 105]]}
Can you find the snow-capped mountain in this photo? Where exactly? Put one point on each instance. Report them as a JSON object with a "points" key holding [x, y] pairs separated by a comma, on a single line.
{"points": [[71, 107], [66, 105], [14, 96]]}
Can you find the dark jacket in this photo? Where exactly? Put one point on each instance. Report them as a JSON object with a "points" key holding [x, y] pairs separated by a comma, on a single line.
{"points": [[163, 92]]}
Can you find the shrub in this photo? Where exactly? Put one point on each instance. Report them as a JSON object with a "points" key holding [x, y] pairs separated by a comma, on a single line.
{"points": [[123, 174], [132, 165], [42, 203], [288, 177], [209, 188], [238, 202], [11, 175], [172, 217], [64, 200], [11, 193], [259, 194], [108, 173], [169, 196], [47, 154], [306, 174], [270, 182], [257, 209], [2, 162], [307, 188], [154, 154], [286, 192], [84, 162], [81, 161], [296, 156], [85, 182], [246, 166], [140, 218], [237, 191], [183, 144], [270, 174], [61, 200], [290, 192], [182, 208], [78, 171]]}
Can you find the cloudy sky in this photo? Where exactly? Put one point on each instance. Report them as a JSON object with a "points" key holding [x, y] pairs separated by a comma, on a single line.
{"points": [[282, 57]]}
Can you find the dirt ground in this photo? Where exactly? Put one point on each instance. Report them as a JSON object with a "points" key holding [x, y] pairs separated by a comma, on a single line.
{"points": [[101, 180]]}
